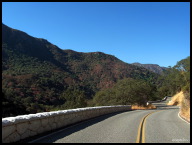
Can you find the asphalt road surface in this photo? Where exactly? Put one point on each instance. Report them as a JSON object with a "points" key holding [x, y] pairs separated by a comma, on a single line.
{"points": [[161, 125]]}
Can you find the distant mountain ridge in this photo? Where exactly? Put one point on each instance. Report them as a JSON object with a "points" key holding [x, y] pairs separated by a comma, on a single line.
{"points": [[152, 67]]}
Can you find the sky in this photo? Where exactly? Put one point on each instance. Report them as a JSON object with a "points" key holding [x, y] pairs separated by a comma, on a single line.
{"points": [[144, 32]]}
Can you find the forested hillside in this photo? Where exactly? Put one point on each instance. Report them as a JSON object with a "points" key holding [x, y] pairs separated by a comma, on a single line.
{"points": [[38, 76], [176, 79], [176, 83], [135, 91]]}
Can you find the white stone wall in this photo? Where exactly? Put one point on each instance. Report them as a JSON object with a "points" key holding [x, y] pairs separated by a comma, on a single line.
{"points": [[23, 126]]}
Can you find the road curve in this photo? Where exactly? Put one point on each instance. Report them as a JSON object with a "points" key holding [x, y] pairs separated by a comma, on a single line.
{"points": [[161, 126], [166, 126]]}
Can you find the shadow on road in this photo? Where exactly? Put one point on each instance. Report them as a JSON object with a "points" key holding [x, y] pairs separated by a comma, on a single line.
{"points": [[60, 133], [65, 131]]}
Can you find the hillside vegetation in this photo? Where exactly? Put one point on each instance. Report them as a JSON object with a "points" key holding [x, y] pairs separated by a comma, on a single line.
{"points": [[37, 76], [177, 81]]}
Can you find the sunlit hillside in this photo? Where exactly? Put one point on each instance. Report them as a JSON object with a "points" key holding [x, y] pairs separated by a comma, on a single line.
{"points": [[179, 99]]}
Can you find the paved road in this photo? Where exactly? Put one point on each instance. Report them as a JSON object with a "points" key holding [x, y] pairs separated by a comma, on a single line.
{"points": [[161, 126]]}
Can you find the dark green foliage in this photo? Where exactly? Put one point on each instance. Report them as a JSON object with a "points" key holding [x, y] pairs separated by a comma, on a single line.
{"points": [[74, 98], [183, 67], [127, 91], [176, 78], [11, 105], [131, 91]]}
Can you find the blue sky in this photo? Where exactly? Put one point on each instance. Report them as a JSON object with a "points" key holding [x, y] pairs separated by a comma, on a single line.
{"points": [[144, 32]]}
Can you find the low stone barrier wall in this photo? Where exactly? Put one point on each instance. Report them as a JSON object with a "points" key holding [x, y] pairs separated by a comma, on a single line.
{"points": [[24, 126]]}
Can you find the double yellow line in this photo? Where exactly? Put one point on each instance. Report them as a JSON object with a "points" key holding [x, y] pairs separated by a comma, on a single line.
{"points": [[141, 129]]}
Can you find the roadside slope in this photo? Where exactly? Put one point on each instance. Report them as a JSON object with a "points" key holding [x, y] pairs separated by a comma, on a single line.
{"points": [[179, 99]]}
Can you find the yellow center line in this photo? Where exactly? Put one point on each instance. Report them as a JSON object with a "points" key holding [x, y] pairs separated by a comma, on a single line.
{"points": [[141, 129]]}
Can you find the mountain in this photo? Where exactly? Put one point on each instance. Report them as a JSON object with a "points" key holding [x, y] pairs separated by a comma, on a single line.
{"points": [[152, 67], [37, 74]]}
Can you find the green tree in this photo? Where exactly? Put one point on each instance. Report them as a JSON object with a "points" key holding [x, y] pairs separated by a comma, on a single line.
{"points": [[127, 91], [73, 98], [175, 79], [184, 68]]}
